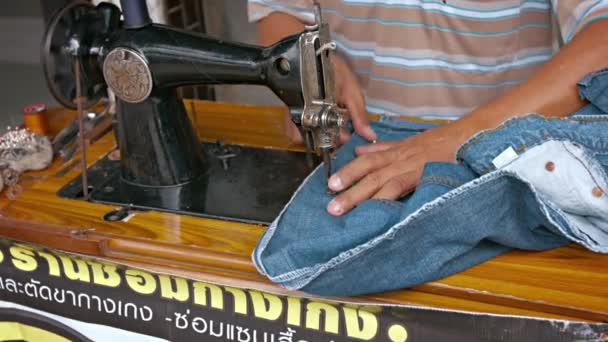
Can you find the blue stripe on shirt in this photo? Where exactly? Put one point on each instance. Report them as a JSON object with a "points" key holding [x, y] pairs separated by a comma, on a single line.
{"points": [[468, 66], [437, 27], [446, 4], [306, 13], [521, 9], [376, 109], [368, 73]]}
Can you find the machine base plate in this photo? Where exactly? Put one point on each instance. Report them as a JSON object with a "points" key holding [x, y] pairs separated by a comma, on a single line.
{"points": [[252, 185]]}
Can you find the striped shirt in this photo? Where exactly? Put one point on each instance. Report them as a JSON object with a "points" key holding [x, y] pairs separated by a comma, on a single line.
{"points": [[442, 58]]}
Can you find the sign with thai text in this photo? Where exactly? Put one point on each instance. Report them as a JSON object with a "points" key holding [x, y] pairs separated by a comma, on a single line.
{"points": [[47, 295]]}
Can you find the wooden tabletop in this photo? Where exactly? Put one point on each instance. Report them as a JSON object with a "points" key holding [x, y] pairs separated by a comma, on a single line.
{"points": [[568, 282]]}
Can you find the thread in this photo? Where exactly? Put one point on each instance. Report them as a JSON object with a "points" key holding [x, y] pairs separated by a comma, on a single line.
{"points": [[34, 117]]}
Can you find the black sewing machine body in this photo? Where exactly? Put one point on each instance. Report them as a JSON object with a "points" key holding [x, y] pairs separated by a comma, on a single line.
{"points": [[163, 165]]}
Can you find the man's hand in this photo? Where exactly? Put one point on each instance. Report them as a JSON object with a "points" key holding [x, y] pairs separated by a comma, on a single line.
{"points": [[350, 96], [390, 170]]}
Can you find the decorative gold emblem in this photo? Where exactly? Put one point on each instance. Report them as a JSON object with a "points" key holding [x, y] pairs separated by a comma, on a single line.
{"points": [[126, 72]]}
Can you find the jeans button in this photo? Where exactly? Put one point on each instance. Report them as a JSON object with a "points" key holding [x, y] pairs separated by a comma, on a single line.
{"points": [[597, 192]]}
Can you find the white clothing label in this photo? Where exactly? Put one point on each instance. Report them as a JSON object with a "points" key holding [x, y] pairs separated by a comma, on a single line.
{"points": [[505, 157]]}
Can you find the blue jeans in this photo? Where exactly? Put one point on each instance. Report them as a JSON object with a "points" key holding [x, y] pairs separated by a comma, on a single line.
{"points": [[532, 183]]}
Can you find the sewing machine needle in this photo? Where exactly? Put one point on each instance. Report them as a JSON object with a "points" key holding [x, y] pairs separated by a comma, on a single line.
{"points": [[327, 161], [308, 140]]}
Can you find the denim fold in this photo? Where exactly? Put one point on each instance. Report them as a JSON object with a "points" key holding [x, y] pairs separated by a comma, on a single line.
{"points": [[532, 183]]}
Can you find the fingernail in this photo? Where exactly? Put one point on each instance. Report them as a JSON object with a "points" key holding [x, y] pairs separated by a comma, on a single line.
{"points": [[369, 133], [335, 183], [334, 207]]}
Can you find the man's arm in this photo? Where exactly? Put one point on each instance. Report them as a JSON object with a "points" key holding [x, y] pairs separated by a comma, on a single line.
{"points": [[391, 170], [552, 90], [277, 26]]}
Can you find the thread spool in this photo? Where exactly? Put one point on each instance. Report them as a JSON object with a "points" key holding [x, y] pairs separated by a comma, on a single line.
{"points": [[34, 117]]}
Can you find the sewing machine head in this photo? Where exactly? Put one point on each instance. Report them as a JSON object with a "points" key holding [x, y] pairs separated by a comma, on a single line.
{"points": [[142, 64]]}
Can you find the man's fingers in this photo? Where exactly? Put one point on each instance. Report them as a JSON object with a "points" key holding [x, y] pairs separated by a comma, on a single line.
{"points": [[397, 187], [358, 193], [344, 136], [357, 169], [381, 146], [355, 103]]}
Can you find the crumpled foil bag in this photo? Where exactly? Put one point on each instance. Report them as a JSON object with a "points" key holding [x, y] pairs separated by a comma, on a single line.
{"points": [[20, 151]]}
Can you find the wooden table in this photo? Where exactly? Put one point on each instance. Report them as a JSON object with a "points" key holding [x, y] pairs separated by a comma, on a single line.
{"points": [[569, 282]]}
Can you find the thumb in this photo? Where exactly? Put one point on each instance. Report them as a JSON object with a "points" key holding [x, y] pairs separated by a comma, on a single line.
{"points": [[358, 116]]}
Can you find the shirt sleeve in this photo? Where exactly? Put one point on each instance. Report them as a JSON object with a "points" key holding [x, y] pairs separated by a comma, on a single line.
{"points": [[573, 15], [301, 9]]}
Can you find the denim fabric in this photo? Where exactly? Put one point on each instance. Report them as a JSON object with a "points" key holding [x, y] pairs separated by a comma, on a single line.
{"points": [[544, 196], [593, 88]]}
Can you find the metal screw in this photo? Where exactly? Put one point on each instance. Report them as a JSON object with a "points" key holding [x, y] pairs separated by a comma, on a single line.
{"points": [[224, 158], [284, 65]]}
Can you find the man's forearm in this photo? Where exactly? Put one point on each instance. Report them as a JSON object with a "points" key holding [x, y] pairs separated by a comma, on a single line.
{"points": [[552, 90], [277, 26]]}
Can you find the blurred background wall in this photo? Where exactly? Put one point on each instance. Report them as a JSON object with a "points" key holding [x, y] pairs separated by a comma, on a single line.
{"points": [[21, 79]]}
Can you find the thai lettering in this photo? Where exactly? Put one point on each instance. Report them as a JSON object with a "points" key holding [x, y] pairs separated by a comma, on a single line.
{"points": [[199, 325], [313, 316], [31, 288], [230, 332], [286, 336], [88, 300], [200, 291], [73, 296], [140, 281], [242, 334], [99, 302], [294, 311], [46, 293], [126, 311], [268, 337], [150, 313], [105, 305], [240, 300], [75, 269], [56, 295], [212, 332], [178, 292], [104, 274], [11, 285], [266, 306], [360, 323], [52, 262], [23, 258], [181, 320], [35, 289]]}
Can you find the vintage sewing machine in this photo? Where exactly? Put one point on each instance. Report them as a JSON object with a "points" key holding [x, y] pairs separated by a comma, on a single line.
{"points": [[162, 165]]}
